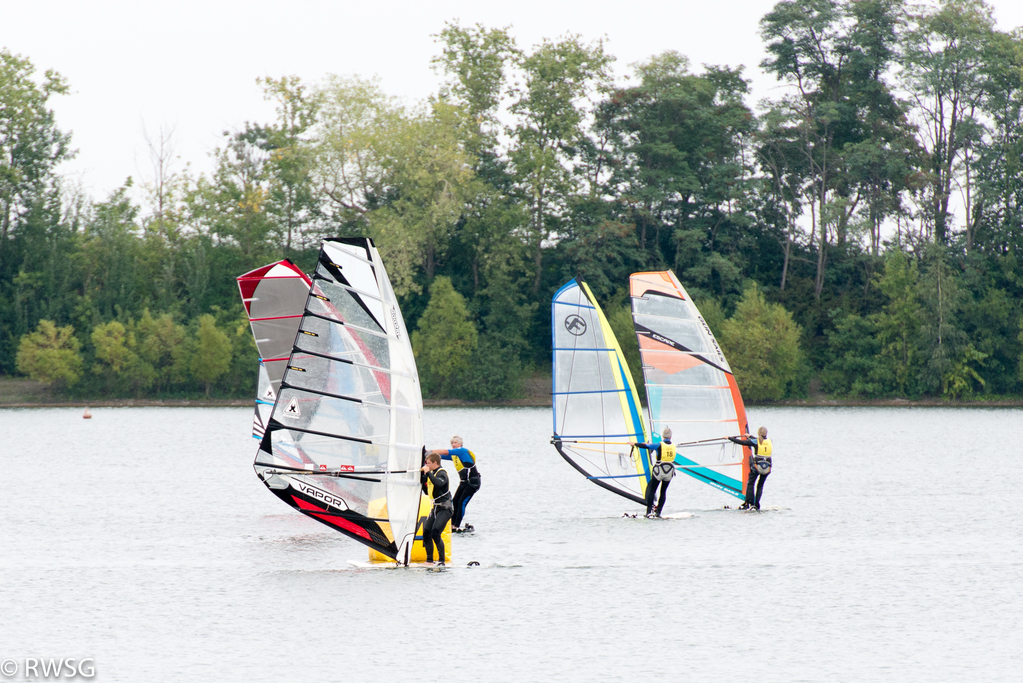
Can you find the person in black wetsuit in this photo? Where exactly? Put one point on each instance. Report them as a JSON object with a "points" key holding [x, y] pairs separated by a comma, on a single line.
{"points": [[433, 474], [469, 480], [759, 466], [661, 472]]}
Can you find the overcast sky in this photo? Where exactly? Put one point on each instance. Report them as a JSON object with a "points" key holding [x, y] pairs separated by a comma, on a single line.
{"points": [[192, 65]]}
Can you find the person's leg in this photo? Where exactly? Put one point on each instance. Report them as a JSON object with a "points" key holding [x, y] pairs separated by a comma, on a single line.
{"points": [[751, 480], [460, 509], [651, 489], [664, 496], [428, 536], [459, 503], [443, 516], [760, 490]]}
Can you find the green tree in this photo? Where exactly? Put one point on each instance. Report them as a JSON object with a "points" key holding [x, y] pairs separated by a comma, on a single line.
{"points": [[445, 339], [946, 50], [946, 347], [826, 141], [117, 359], [762, 344], [211, 352], [162, 344], [476, 59], [1019, 369], [549, 104], [50, 355], [677, 165], [31, 145], [34, 234], [854, 366], [897, 327], [397, 176], [428, 182]]}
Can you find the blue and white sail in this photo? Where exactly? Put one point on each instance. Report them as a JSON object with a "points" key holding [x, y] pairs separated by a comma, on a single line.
{"points": [[596, 408]]}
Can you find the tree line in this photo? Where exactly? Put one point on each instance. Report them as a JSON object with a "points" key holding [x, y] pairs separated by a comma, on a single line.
{"points": [[857, 236]]}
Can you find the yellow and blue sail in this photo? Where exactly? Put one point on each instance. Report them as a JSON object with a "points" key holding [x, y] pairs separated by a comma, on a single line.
{"points": [[595, 405]]}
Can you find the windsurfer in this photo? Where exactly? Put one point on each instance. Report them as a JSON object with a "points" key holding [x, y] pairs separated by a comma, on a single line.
{"points": [[469, 481], [662, 470], [435, 482], [759, 466]]}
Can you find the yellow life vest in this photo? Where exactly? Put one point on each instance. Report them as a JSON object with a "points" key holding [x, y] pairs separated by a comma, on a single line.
{"points": [[429, 490], [459, 465], [764, 447], [667, 452]]}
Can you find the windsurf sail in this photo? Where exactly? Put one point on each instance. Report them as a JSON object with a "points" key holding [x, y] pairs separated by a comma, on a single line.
{"points": [[344, 442], [596, 410], [689, 385], [274, 296]]}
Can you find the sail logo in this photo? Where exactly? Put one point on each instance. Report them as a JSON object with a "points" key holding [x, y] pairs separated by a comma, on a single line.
{"points": [[663, 340], [293, 411], [706, 328], [268, 395], [575, 325], [320, 494], [394, 319]]}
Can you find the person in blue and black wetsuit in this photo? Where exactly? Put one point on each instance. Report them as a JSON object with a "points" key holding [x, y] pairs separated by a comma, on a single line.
{"points": [[435, 483], [759, 466], [469, 480], [662, 470]]}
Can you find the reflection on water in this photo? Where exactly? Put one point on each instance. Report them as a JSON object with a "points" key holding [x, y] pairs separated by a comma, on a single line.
{"points": [[143, 539]]}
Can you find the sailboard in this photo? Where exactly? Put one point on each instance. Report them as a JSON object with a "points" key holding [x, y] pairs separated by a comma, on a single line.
{"points": [[344, 441], [596, 408], [689, 384], [274, 297]]}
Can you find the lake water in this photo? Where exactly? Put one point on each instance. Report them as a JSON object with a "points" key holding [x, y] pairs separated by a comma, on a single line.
{"points": [[141, 540]]}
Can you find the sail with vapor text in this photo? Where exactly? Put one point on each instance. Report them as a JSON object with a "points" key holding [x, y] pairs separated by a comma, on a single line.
{"points": [[344, 442], [596, 410], [274, 296], [689, 385]]}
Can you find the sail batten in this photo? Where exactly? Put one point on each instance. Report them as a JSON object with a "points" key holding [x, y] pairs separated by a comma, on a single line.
{"points": [[689, 384]]}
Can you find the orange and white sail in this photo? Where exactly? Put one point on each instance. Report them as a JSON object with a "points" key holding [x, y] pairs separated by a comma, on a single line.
{"points": [[689, 385]]}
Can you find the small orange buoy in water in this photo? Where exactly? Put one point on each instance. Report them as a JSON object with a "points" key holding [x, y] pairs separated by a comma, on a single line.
{"points": [[86, 415]]}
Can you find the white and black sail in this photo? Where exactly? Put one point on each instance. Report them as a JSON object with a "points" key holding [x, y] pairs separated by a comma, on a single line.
{"points": [[344, 443]]}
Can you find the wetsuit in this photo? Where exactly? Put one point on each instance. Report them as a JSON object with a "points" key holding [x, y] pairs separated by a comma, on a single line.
{"points": [[664, 471], [753, 497], [440, 515], [468, 480]]}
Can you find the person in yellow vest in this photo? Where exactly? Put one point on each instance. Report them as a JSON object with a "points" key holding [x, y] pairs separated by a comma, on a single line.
{"points": [[469, 480], [435, 483], [759, 466], [662, 470]]}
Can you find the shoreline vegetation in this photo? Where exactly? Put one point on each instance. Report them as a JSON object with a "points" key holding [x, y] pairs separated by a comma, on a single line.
{"points": [[856, 236], [522, 403], [24, 393]]}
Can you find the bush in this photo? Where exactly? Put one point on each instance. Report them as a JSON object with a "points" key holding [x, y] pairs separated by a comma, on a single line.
{"points": [[50, 355]]}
